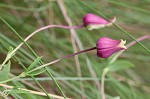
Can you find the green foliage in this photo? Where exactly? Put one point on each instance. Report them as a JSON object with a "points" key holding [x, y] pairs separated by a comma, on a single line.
{"points": [[4, 73], [119, 65], [26, 17], [34, 64], [116, 97], [9, 55], [37, 72], [17, 91]]}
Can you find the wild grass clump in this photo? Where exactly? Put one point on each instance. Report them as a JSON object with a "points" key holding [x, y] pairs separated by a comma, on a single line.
{"points": [[73, 49]]}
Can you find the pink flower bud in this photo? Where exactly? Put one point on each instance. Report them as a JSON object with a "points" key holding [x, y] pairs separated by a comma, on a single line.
{"points": [[107, 46], [92, 21]]}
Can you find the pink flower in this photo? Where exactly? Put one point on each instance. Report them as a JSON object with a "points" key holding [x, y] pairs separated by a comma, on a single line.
{"points": [[107, 46], [92, 21]]}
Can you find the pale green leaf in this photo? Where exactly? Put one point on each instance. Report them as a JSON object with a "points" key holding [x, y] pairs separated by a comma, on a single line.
{"points": [[36, 61], [37, 72], [119, 65], [14, 91], [4, 74]]}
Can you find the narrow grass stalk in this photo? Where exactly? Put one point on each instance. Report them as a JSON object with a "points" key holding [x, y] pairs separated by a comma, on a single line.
{"points": [[129, 6], [103, 84], [4, 62], [129, 45], [132, 38], [33, 92], [41, 87], [61, 79]]}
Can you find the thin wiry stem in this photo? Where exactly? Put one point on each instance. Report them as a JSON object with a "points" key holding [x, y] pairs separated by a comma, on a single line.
{"points": [[43, 28], [129, 45], [57, 60]]}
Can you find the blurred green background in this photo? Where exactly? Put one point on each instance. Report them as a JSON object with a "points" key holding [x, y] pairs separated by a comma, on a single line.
{"points": [[78, 77]]}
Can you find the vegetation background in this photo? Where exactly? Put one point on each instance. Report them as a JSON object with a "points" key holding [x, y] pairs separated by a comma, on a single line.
{"points": [[79, 77]]}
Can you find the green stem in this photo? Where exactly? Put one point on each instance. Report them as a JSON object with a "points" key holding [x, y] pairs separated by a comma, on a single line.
{"points": [[34, 79], [3, 63], [41, 87], [8, 80], [103, 83]]}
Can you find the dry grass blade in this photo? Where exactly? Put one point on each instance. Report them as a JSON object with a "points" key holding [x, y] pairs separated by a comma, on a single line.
{"points": [[33, 92]]}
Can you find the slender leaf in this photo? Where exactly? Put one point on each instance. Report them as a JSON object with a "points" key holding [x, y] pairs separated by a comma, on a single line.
{"points": [[14, 91], [4, 74], [37, 72], [36, 61], [119, 65]]}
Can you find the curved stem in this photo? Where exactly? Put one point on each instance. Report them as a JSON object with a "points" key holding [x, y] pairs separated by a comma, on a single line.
{"points": [[57, 60], [103, 83], [129, 45], [43, 28], [38, 30]]}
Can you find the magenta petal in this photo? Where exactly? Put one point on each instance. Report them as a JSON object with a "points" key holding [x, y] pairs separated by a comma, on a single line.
{"points": [[93, 19], [107, 46], [106, 42], [105, 53]]}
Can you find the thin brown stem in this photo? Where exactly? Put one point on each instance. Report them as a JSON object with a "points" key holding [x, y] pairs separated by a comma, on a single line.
{"points": [[33, 92], [57, 60]]}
